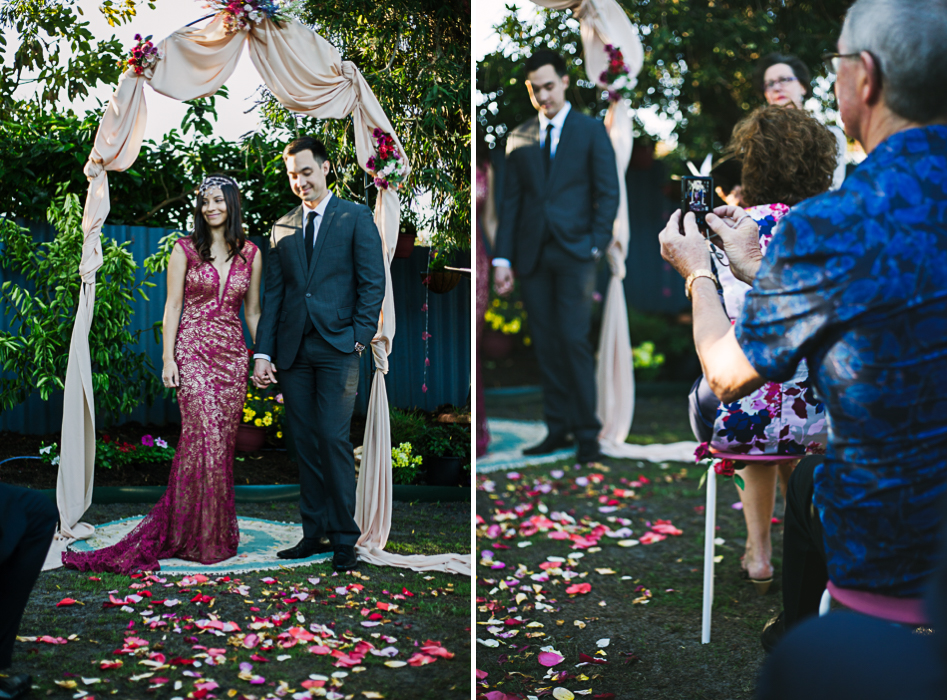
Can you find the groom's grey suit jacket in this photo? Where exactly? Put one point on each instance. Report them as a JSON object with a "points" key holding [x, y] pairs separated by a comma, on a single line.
{"points": [[341, 290], [577, 200]]}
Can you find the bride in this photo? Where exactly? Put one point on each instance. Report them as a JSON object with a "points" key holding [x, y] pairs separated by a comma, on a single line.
{"points": [[211, 273]]}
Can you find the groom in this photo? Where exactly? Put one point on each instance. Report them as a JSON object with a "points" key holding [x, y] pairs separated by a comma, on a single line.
{"points": [[325, 283], [560, 198]]}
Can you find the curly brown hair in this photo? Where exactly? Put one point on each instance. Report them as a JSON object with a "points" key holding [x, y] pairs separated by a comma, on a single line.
{"points": [[787, 155]]}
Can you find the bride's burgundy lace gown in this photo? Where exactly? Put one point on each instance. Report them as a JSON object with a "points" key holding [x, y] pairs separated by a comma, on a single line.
{"points": [[196, 519]]}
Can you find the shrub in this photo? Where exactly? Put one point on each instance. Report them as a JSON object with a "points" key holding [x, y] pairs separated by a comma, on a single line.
{"points": [[405, 466], [112, 453], [35, 351]]}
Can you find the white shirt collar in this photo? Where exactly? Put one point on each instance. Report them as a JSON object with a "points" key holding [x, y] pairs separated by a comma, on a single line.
{"points": [[321, 209], [557, 121]]}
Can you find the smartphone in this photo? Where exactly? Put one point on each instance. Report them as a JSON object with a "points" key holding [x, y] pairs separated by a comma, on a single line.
{"points": [[697, 196]]}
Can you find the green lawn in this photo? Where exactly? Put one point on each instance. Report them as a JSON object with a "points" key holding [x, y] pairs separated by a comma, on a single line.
{"points": [[303, 632]]}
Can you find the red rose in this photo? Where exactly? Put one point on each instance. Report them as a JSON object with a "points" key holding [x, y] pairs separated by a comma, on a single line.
{"points": [[725, 467]]}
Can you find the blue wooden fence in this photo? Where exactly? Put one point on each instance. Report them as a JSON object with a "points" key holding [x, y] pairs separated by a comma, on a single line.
{"points": [[447, 317]]}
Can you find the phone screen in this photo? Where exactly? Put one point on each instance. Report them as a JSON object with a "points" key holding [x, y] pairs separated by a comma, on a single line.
{"points": [[697, 197]]}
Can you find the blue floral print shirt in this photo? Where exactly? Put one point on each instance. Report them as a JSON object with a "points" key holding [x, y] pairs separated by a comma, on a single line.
{"points": [[855, 282]]}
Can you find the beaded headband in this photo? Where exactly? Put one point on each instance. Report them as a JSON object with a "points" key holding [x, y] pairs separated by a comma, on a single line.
{"points": [[216, 181]]}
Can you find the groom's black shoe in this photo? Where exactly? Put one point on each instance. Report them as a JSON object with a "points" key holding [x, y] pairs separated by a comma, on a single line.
{"points": [[589, 452], [551, 443], [17, 686], [306, 548], [345, 558]]}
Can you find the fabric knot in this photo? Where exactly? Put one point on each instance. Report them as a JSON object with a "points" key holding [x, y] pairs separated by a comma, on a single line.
{"points": [[349, 70], [93, 168]]}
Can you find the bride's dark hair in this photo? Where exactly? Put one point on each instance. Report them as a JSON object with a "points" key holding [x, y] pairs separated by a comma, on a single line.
{"points": [[233, 227]]}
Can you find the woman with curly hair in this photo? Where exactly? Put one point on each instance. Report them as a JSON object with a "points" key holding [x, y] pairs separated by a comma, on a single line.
{"points": [[787, 156]]}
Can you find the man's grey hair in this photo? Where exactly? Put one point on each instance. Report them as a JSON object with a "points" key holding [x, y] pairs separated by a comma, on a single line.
{"points": [[909, 40]]}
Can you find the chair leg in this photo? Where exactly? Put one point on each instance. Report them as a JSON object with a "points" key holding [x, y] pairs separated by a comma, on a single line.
{"points": [[710, 533], [825, 603]]}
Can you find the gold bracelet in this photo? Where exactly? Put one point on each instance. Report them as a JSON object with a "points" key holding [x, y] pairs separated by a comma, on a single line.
{"points": [[693, 276]]}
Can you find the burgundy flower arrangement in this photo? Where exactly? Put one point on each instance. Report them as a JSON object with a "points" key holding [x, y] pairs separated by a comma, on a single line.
{"points": [[144, 54], [617, 77], [386, 165]]}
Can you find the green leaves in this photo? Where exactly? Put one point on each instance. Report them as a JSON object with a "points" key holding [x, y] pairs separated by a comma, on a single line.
{"points": [[41, 315], [415, 56], [699, 61]]}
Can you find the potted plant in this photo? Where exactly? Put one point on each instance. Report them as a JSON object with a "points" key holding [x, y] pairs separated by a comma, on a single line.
{"points": [[262, 412], [407, 235], [445, 449]]}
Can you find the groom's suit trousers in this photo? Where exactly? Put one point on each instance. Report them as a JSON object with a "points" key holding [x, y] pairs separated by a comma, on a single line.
{"points": [[320, 387]]}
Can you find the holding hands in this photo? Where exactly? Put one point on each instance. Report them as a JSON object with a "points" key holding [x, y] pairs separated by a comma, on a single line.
{"points": [[503, 280], [264, 373]]}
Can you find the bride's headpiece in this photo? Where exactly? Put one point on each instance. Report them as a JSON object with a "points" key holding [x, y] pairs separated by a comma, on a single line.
{"points": [[213, 181]]}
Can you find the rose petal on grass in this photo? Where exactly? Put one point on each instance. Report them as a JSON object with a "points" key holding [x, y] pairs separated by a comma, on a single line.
{"points": [[579, 588], [628, 543], [68, 601], [396, 664], [550, 658], [563, 694], [602, 643]]}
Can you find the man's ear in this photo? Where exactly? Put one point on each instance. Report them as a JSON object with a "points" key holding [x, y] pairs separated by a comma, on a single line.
{"points": [[565, 81], [871, 87]]}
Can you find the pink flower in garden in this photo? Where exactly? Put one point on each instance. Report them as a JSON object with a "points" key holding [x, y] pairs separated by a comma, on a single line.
{"points": [[160, 443], [424, 388], [279, 399], [147, 441]]}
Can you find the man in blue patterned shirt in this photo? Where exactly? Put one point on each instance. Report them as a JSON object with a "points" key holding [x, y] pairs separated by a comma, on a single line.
{"points": [[855, 282]]}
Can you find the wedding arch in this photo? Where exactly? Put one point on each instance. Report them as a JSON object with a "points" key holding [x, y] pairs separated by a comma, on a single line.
{"points": [[306, 74], [613, 58]]}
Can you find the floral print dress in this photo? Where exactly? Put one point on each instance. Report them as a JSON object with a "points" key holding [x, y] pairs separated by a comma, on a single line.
{"points": [[776, 419]]}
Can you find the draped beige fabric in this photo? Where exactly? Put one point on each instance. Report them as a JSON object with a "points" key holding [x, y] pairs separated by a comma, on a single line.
{"points": [[306, 74], [604, 22]]}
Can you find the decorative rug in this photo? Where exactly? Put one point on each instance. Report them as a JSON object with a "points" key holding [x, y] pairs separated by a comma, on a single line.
{"points": [[259, 542], [509, 437]]}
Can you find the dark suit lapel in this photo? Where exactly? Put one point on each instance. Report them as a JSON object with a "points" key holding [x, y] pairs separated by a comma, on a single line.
{"points": [[325, 227], [561, 148], [298, 247], [531, 136]]}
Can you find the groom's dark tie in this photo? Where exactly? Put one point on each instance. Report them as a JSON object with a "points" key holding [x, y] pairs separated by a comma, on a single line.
{"points": [[547, 150], [310, 236]]}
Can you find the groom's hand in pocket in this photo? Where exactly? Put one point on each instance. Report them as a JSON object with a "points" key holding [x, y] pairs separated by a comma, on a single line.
{"points": [[264, 373]]}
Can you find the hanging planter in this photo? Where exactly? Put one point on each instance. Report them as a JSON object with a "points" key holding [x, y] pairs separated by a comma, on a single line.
{"points": [[441, 281], [250, 438]]}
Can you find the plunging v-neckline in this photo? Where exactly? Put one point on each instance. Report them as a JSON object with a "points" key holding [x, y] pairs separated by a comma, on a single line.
{"points": [[222, 290]]}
